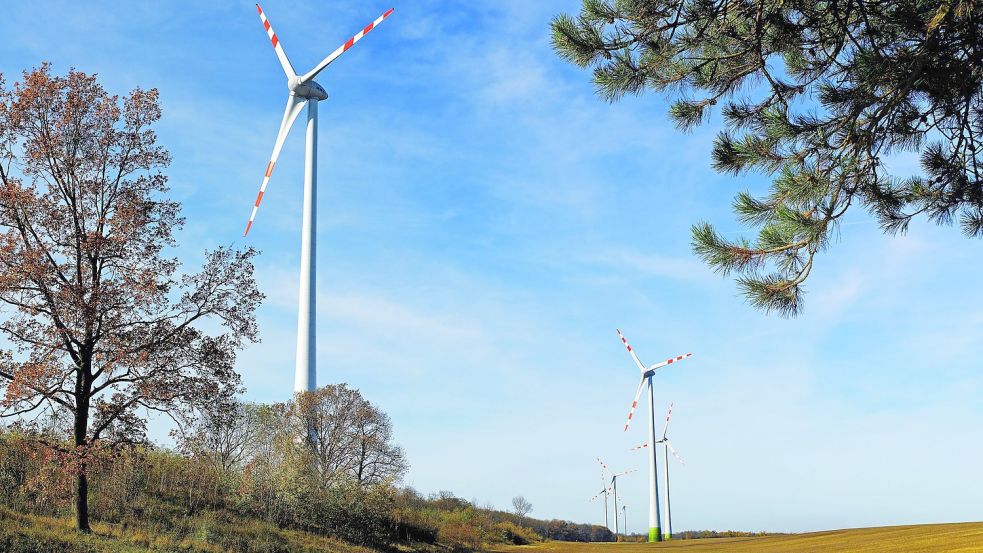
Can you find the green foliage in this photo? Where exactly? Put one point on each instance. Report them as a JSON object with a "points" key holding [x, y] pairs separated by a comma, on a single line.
{"points": [[814, 94]]}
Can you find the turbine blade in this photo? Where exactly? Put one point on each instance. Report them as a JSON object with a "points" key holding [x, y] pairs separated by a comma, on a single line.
{"points": [[669, 361], [640, 446], [344, 47], [634, 402], [280, 54], [604, 467], [674, 454], [294, 105], [624, 341], [600, 493], [666, 427]]}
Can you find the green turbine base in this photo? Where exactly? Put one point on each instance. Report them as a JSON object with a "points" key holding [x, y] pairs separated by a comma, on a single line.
{"points": [[655, 534]]}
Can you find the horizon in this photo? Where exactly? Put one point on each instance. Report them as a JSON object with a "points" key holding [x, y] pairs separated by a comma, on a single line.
{"points": [[486, 222]]}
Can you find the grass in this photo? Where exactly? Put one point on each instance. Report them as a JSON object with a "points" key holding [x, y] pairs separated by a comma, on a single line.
{"points": [[20, 533], [951, 538]]}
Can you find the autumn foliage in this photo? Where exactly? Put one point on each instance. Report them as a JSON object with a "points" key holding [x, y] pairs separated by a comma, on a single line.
{"points": [[102, 326]]}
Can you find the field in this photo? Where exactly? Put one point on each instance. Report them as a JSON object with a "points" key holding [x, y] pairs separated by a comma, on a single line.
{"points": [[963, 537]]}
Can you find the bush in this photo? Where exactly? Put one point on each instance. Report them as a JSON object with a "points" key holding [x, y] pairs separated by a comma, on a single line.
{"points": [[514, 534]]}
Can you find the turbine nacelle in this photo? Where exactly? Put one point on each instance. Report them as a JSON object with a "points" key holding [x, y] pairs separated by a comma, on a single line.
{"points": [[309, 90]]}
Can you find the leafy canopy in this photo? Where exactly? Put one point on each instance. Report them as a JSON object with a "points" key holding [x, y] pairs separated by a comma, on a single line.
{"points": [[814, 94], [98, 325]]}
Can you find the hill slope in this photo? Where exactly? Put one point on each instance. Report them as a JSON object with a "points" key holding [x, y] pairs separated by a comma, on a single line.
{"points": [[20, 533], [962, 538]]}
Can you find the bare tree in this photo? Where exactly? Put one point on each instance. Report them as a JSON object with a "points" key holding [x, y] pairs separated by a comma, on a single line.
{"points": [[376, 459], [521, 507], [100, 322], [227, 437], [347, 436]]}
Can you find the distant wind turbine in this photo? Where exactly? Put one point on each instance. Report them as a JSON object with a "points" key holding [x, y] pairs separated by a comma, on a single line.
{"points": [[304, 91], [605, 490], [667, 447], [655, 531], [614, 487]]}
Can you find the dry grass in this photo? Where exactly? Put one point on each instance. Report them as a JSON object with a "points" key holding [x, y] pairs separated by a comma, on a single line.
{"points": [[30, 533], [950, 538]]}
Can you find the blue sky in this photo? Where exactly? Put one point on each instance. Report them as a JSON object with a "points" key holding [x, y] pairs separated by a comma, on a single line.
{"points": [[485, 223]]}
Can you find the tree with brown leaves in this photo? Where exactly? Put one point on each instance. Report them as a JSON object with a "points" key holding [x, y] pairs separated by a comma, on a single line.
{"points": [[102, 326]]}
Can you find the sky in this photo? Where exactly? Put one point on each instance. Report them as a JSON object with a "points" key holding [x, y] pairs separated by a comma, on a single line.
{"points": [[485, 222]]}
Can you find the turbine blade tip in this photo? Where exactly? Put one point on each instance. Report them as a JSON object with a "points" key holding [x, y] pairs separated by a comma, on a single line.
{"points": [[389, 12]]}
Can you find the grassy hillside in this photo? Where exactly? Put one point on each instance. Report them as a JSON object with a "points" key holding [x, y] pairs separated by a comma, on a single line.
{"points": [[950, 538], [210, 532]]}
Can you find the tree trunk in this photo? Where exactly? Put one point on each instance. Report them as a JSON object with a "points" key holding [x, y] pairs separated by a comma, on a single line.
{"points": [[81, 478], [82, 500]]}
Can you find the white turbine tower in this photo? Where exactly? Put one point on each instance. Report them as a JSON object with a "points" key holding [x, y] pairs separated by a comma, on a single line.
{"points": [[655, 531], [667, 447], [304, 91]]}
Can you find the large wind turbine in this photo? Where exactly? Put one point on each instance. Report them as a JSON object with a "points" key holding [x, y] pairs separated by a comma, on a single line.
{"points": [[304, 91], [655, 531], [667, 447]]}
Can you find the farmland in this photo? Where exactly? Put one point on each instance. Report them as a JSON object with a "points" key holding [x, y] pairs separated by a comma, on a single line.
{"points": [[963, 537]]}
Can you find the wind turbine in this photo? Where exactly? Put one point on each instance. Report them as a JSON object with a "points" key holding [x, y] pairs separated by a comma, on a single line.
{"points": [[667, 447], [614, 486], [624, 517], [603, 492], [303, 90], [605, 489], [655, 531]]}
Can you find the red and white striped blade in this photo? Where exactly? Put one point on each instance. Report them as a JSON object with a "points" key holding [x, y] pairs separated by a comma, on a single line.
{"points": [[669, 361], [604, 467], [626, 472], [280, 54], [674, 454], [666, 427], [624, 341], [634, 402], [344, 47], [600, 493], [294, 105], [640, 446]]}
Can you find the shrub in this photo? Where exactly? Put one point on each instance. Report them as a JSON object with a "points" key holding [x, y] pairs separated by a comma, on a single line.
{"points": [[514, 534]]}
